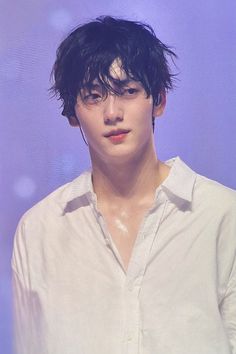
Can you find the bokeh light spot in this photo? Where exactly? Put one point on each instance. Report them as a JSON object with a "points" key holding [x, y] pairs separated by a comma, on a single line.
{"points": [[24, 187]]}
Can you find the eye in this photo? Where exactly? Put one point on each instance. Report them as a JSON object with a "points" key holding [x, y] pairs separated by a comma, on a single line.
{"points": [[131, 91], [92, 97]]}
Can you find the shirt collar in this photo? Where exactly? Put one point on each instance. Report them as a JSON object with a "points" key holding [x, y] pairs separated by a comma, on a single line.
{"points": [[177, 186], [180, 182], [79, 187]]}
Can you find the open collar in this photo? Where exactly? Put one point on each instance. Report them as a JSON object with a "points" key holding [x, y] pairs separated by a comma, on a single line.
{"points": [[177, 186]]}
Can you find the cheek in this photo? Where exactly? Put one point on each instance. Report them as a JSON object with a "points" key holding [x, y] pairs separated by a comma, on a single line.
{"points": [[144, 113], [144, 106], [82, 115], [88, 121]]}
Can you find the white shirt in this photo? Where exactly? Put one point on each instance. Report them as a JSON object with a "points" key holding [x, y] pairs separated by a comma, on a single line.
{"points": [[72, 295]]}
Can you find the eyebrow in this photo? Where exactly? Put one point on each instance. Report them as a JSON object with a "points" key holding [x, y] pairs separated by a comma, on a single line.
{"points": [[117, 82], [124, 82], [92, 86]]}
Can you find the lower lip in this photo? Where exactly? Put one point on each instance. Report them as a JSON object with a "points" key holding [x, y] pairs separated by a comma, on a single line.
{"points": [[117, 138]]}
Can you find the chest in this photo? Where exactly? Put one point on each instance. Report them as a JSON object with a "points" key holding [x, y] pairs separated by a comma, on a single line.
{"points": [[170, 298], [123, 227]]}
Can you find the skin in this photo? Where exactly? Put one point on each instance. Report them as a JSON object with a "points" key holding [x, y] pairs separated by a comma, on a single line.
{"points": [[125, 173]]}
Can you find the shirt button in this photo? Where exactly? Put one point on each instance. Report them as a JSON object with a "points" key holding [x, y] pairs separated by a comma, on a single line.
{"points": [[144, 332], [129, 339], [131, 287]]}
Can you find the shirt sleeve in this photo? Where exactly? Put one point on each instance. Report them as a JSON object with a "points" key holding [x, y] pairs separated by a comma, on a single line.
{"points": [[227, 266], [26, 306], [228, 309]]}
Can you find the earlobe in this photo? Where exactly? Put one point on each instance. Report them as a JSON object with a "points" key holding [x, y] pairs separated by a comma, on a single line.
{"points": [[159, 107], [74, 121]]}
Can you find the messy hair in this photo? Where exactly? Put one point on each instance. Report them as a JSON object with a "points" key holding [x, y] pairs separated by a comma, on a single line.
{"points": [[88, 52]]}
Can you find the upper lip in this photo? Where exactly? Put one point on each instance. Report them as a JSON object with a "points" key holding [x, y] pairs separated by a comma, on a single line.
{"points": [[116, 132]]}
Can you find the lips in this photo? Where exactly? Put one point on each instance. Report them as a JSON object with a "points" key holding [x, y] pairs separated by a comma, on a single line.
{"points": [[116, 132]]}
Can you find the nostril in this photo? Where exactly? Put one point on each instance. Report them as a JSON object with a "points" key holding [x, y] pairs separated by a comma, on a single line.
{"points": [[113, 120]]}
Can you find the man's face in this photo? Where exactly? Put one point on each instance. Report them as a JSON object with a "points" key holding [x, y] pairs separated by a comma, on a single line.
{"points": [[118, 126]]}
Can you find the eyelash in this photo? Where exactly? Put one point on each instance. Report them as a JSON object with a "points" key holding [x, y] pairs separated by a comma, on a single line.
{"points": [[134, 90], [91, 95], [97, 97]]}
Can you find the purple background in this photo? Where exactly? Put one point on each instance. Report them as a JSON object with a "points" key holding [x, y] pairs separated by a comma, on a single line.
{"points": [[40, 151]]}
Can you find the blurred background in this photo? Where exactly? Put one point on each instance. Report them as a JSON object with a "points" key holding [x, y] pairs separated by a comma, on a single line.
{"points": [[39, 150]]}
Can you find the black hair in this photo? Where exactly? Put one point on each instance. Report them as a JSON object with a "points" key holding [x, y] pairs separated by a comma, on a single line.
{"points": [[89, 50]]}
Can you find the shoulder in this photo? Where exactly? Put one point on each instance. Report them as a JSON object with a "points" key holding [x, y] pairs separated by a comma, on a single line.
{"points": [[202, 193], [214, 208], [43, 226], [51, 207], [214, 194]]}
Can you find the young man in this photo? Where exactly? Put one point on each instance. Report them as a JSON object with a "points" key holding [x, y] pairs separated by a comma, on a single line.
{"points": [[136, 256]]}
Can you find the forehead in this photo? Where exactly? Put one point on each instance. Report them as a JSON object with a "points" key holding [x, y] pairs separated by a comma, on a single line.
{"points": [[115, 79], [116, 71], [116, 76]]}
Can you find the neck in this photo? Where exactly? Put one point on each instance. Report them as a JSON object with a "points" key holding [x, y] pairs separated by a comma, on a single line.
{"points": [[131, 181]]}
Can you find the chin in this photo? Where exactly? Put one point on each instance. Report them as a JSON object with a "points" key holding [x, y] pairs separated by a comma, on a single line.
{"points": [[121, 157]]}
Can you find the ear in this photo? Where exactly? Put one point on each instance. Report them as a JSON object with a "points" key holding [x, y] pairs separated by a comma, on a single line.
{"points": [[74, 121], [158, 108]]}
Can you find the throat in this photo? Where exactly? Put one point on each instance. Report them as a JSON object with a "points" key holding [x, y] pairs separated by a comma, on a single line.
{"points": [[130, 182], [127, 178]]}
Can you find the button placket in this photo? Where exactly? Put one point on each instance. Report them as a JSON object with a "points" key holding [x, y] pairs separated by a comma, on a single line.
{"points": [[135, 274], [132, 321]]}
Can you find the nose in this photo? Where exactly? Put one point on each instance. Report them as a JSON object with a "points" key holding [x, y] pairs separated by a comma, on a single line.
{"points": [[113, 111]]}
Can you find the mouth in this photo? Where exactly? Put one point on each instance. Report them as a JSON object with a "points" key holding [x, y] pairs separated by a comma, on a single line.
{"points": [[117, 136], [116, 132]]}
